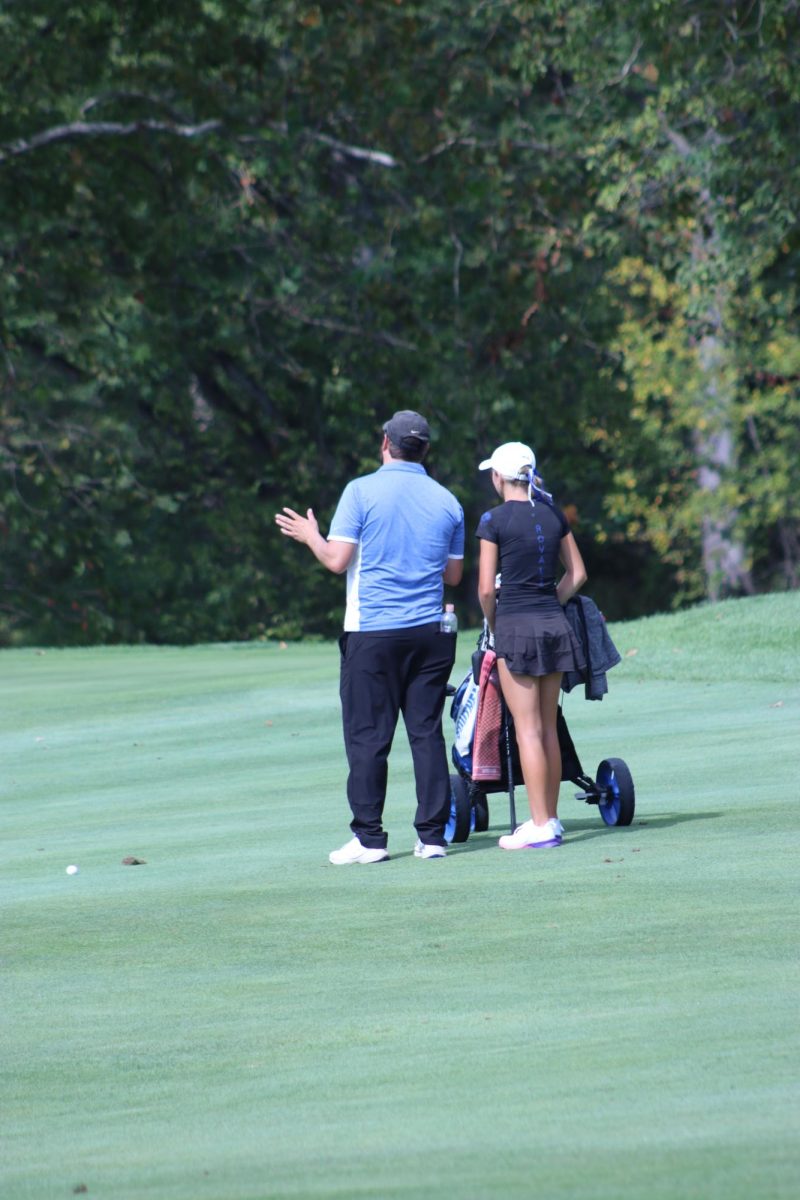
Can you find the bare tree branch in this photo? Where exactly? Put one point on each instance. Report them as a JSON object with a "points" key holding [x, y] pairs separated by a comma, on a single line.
{"points": [[678, 140], [485, 144], [113, 97], [294, 313], [78, 129], [627, 66], [374, 156], [457, 257]]}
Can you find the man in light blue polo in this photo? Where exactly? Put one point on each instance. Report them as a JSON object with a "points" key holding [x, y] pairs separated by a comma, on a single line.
{"points": [[400, 537]]}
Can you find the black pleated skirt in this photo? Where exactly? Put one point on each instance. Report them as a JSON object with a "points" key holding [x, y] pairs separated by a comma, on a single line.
{"points": [[538, 641]]}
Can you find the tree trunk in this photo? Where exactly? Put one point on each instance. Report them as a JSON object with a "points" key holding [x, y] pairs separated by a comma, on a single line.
{"points": [[724, 557], [725, 564]]}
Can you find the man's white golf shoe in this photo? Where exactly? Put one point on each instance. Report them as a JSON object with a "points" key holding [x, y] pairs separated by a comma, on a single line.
{"points": [[426, 850], [354, 852]]}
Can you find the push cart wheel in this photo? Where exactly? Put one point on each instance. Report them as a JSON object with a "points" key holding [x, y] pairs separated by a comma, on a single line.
{"points": [[458, 826], [617, 797], [481, 807]]}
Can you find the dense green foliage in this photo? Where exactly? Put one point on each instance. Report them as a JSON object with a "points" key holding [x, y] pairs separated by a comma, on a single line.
{"points": [[234, 237]]}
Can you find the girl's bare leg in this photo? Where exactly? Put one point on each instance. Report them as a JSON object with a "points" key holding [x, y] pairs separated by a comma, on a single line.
{"points": [[549, 691], [522, 695]]}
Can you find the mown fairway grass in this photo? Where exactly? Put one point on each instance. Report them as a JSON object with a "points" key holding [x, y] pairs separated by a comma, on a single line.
{"points": [[237, 1019]]}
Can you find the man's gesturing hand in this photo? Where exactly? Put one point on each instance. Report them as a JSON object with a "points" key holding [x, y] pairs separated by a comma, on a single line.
{"points": [[302, 529], [333, 555]]}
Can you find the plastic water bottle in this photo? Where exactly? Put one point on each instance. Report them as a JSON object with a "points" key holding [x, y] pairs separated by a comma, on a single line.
{"points": [[449, 619]]}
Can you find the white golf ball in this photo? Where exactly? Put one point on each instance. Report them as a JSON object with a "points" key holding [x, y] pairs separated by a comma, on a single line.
{"points": [[72, 869]]}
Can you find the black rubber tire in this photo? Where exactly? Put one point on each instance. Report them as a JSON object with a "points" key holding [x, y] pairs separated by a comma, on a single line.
{"points": [[461, 807], [481, 806], [620, 803]]}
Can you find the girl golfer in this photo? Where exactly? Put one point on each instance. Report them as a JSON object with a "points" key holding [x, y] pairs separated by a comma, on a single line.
{"points": [[525, 538]]}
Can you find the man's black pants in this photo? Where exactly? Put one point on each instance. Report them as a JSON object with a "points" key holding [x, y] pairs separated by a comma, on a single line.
{"points": [[383, 674]]}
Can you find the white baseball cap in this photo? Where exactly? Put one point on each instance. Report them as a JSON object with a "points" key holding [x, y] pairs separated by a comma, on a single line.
{"points": [[512, 460]]}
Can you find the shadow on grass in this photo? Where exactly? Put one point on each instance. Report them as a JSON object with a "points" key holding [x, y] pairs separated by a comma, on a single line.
{"points": [[585, 830]]}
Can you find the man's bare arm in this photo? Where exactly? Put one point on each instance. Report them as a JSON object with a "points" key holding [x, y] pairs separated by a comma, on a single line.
{"points": [[334, 555]]}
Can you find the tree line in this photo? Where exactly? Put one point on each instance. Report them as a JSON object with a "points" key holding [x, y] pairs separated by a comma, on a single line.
{"points": [[236, 236]]}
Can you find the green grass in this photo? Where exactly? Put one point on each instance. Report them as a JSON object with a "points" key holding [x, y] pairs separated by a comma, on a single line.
{"points": [[239, 1020]]}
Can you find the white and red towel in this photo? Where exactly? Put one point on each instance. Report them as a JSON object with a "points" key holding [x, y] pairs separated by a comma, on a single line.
{"points": [[486, 744]]}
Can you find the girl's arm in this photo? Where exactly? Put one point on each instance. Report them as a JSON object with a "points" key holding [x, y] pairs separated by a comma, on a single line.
{"points": [[487, 573], [574, 576]]}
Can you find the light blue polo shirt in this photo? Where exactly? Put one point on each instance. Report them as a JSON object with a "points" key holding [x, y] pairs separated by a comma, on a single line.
{"points": [[405, 526]]}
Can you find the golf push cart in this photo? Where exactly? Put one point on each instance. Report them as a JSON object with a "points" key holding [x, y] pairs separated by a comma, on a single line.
{"points": [[611, 790]]}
